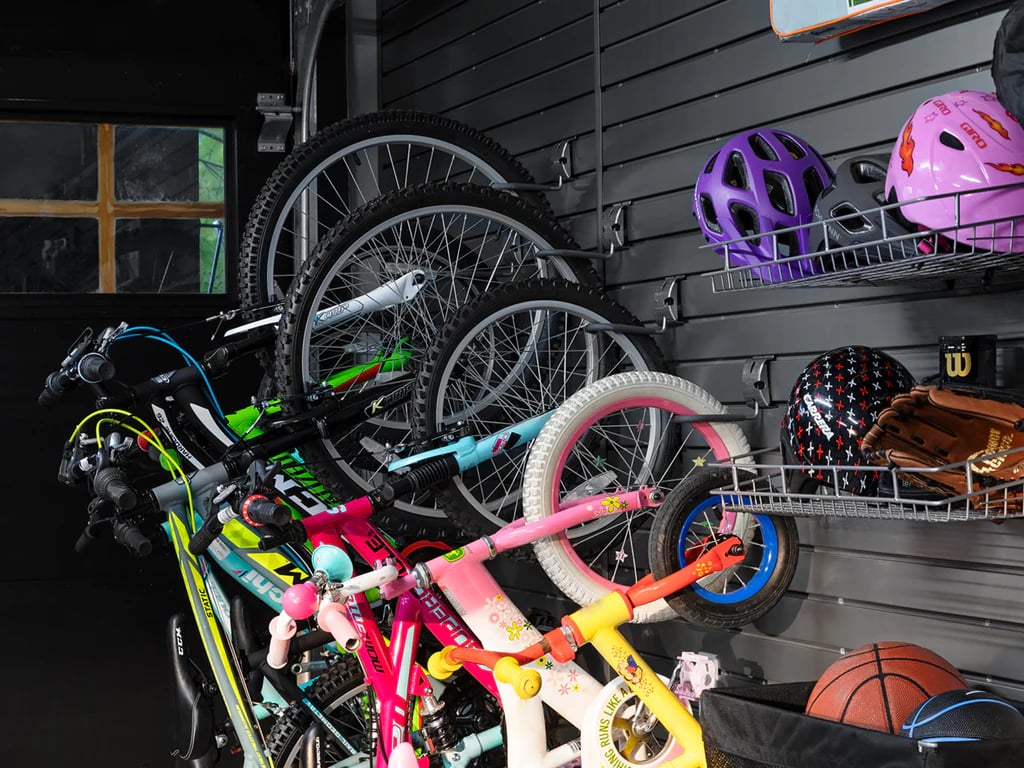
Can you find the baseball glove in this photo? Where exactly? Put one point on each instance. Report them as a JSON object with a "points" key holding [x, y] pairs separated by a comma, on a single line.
{"points": [[935, 427]]}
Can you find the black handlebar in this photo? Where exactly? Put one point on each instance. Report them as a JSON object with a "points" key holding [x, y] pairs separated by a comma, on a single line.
{"points": [[256, 510], [216, 361], [111, 484]]}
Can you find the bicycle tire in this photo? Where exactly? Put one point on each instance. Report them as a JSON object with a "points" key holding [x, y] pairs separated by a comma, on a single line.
{"points": [[341, 692], [267, 259], [508, 355], [686, 525], [505, 232], [584, 432]]}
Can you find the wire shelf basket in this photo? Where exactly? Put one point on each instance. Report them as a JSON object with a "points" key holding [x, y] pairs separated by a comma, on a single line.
{"points": [[982, 248], [763, 489]]}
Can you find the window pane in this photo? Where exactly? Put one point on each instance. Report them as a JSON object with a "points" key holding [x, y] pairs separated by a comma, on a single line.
{"points": [[49, 255], [169, 256], [153, 164], [47, 162]]}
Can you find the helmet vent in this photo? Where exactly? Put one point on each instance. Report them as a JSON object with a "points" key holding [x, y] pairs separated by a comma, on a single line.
{"points": [[711, 163], [791, 146], [850, 219], [951, 141], [780, 193], [736, 171], [707, 210], [746, 221], [762, 148], [867, 171], [814, 184]]}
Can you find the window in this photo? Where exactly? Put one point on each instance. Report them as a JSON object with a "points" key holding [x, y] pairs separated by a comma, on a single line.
{"points": [[105, 208]]}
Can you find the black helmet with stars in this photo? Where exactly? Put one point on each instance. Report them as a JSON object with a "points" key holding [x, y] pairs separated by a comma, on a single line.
{"points": [[834, 402]]}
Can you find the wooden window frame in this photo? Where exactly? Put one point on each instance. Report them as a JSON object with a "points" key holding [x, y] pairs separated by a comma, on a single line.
{"points": [[107, 209]]}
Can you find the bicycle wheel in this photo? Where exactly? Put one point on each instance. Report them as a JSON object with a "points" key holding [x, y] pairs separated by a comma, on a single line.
{"points": [[625, 431], [462, 239], [343, 694], [513, 353], [688, 523], [344, 166]]}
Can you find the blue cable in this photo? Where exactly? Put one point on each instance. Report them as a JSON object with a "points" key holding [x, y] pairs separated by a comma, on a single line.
{"points": [[155, 334]]}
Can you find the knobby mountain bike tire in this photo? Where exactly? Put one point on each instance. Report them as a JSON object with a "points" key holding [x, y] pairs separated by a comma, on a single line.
{"points": [[343, 694], [687, 525], [619, 434], [346, 165], [512, 353], [464, 239]]}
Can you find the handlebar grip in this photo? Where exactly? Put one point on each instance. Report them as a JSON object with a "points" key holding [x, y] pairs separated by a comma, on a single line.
{"points": [[217, 360], [259, 510], [56, 384], [94, 368], [441, 666], [110, 484], [130, 537], [204, 537], [525, 682]]}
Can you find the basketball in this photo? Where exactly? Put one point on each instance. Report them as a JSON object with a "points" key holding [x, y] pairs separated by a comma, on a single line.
{"points": [[878, 686], [964, 714]]}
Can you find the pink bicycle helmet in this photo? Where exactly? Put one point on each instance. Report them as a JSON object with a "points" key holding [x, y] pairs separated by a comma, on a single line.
{"points": [[964, 141], [762, 180]]}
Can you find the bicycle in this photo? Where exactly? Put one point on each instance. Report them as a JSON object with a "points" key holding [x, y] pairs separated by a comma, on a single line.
{"points": [[468, 239], [337, 599], [623, 741], [346, 165], [629, 425]]}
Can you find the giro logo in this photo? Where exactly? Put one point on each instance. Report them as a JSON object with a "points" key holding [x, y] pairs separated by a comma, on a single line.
{"points": [[816, 416], [975, 136], [958, 364]]}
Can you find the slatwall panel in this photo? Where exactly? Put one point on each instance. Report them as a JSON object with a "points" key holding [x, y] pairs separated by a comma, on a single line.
{"points": [[677, 79]]}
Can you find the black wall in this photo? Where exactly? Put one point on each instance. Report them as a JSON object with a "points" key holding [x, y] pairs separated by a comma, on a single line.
{"points": [[83, 648], [665, 85]]}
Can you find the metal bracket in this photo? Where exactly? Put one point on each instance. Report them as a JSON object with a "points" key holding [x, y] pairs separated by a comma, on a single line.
{"points": [[561, 159], [277, 122], [613, 228], [756, 389], [666, 301]]}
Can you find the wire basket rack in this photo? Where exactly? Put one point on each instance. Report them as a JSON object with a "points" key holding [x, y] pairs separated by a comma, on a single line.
{"points": [[980, 248], [763, 488]]}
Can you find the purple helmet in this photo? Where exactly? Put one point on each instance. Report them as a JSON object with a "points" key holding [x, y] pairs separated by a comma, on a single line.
{"points": [[761, 180]]}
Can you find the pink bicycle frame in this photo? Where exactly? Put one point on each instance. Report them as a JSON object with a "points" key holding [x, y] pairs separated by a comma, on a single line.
{"points": [[391, 668]]}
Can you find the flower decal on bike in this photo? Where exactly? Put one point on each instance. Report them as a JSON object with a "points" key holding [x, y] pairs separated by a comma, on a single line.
{"points": [[613, 504], [515, 629]]}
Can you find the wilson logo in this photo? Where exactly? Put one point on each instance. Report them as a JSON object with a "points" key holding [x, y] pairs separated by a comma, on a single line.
{"points": [[958, 364], [997, 441]]}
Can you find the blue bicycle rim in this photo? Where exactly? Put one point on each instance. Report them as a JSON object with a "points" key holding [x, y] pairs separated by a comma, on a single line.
{"points": [[770, 539]]}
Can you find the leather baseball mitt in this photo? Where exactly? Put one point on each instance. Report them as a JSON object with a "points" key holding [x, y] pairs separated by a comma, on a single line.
{"points": [[933, 427]]}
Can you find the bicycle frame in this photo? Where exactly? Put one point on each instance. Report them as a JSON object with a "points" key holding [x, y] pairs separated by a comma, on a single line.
{"points": [[596, 624], [483, 614]]}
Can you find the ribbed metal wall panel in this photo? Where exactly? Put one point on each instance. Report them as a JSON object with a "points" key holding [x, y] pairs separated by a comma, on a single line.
{"points": [[677, 79]]}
